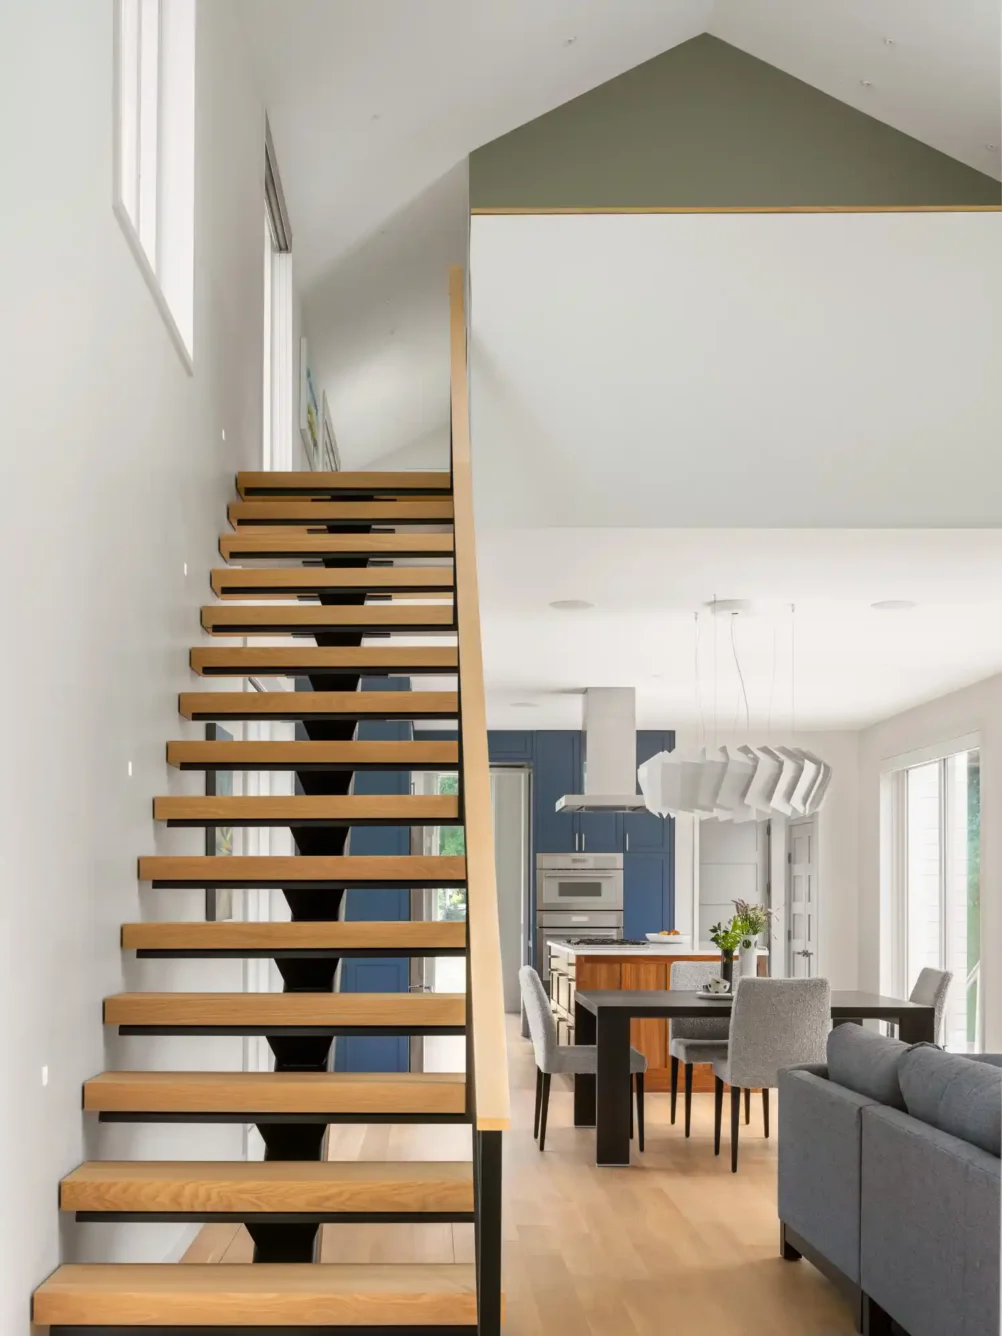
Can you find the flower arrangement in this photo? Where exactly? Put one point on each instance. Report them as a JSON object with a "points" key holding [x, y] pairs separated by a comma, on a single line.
{"points": [[727, 937], [749, 921]]}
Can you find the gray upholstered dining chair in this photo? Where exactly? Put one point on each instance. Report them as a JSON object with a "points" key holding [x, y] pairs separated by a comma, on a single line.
{"points": [[775, 1023], [931, 990], [552, 1057], [696, 1039]]}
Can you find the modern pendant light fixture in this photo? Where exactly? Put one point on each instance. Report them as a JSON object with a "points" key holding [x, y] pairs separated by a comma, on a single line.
{"points": [[746, 783]]}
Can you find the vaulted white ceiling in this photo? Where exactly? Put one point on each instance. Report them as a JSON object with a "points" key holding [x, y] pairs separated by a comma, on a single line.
{"points": [[375, 104]]}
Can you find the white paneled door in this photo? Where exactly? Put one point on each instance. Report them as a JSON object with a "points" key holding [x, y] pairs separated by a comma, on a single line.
{"points": [[801, 899]]}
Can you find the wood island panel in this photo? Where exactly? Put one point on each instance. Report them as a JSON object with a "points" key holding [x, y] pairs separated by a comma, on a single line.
{"points": [[632, 972], [649, 1036]]}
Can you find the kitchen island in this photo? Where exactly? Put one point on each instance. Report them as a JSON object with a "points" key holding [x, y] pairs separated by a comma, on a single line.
{"points": [[633, 967]]}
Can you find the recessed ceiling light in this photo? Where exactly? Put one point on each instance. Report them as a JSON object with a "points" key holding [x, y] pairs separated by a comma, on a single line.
{"points": [[866, 83], [571, 604], [893, 605], [991, 147], [569, 41], [376, 116], [889, 41], [524, 705]]}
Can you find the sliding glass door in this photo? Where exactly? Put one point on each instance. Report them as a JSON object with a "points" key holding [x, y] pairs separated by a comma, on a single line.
{"points": [[936, 811]]}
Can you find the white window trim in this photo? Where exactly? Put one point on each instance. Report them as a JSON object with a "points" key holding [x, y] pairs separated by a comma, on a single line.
{"points": [[936, 751], [121, 212], [894, 859]]}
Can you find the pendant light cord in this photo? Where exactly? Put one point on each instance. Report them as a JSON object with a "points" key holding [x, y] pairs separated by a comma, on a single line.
{"points": [[741, 676]]}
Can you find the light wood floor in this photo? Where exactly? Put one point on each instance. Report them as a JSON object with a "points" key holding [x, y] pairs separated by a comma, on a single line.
{"points": [[674, 1243]]}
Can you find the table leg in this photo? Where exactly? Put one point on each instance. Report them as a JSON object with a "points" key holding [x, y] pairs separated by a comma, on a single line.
{"points": [[917, 1027], [612, 1139], [584, 1084]]}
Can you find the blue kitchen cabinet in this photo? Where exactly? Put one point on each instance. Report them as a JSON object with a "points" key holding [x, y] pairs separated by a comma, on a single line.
{"points": [[599, 832], [647, 894], [556, 771], [509, 746], [378, 1053]]}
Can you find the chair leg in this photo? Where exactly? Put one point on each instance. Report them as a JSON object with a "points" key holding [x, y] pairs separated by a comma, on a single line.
{"points": [[747, 1106], [544, 1109], [674, 1088], [735, 1125], [718, 1112], [688, 1097], [631, 1108], [640, 1110], [539, 1104], [765, 1110]]}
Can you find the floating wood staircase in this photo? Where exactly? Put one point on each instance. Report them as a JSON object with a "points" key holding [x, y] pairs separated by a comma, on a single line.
{"points": [[359, 549]]}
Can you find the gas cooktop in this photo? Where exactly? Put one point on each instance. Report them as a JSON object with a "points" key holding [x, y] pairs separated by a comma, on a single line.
{"points": [[603, 941]]}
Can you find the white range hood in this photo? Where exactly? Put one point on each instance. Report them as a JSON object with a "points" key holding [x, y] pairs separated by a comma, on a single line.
{"points": [[610, 754]]}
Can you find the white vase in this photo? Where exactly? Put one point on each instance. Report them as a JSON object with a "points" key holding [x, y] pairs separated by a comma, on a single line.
{"points": [[748, 962]]}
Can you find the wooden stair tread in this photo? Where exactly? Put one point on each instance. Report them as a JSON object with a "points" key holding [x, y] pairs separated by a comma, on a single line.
{"points": [[295, 1009], [314, 755], [250, 544], [302, 660], [318, 704], [374, 618], [267, 1293], [345, 935], [308, 809], [235, 582], [427, 510], [277, 1092], [414, 870], [375, 483], [269, 1185]]}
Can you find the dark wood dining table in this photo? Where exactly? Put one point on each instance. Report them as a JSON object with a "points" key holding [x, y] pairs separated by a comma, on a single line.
{"points": [[603, 1017]]}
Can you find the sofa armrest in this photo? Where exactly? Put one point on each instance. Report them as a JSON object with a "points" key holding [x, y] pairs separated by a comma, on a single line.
{"points": [[929, 1226], [819, 1158]]}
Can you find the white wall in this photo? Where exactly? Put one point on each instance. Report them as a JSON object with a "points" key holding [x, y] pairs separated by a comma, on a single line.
{"points": [[115, 474], [736, 370], [976, 709], [838, 951]]}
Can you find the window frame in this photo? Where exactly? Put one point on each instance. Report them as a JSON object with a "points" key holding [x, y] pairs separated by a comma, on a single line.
{"points": [[894, 837], [146, 232]]}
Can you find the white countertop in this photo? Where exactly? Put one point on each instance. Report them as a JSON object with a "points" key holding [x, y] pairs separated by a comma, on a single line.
{"points": [[648, 949]]}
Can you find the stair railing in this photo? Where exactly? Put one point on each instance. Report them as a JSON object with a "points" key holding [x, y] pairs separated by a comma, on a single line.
{"points": [[487, 1058]]}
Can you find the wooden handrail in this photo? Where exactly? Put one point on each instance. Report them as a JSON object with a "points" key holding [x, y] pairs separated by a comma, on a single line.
{"points": [[490, 1074]]}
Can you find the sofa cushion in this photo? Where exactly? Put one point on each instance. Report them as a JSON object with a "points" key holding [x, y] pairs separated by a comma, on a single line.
{"points": [[954, 1094], [866, 1062]]}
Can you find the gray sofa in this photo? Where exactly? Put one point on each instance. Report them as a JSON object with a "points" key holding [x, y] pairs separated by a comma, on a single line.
{"points": [[889, 1181]]}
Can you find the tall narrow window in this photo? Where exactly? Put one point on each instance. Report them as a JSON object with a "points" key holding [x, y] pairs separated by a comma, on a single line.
{"points": [[278, 406], [936, 815], [155, 152]]}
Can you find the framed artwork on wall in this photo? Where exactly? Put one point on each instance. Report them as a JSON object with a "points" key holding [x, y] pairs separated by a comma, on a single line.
{"points": [[331, 460], [309, 408]]}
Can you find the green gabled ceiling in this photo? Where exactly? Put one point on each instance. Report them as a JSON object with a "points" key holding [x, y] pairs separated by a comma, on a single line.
{"points": [[705, 125]]}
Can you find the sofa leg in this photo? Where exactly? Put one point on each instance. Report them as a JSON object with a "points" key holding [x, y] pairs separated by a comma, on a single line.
{"points": [[718, 1112], [674, 1088], [875, 1321], [765, 1111], [786, 1249]]}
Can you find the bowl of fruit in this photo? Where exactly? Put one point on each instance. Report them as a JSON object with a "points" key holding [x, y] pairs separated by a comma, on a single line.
{"points": [[670, 937]]}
